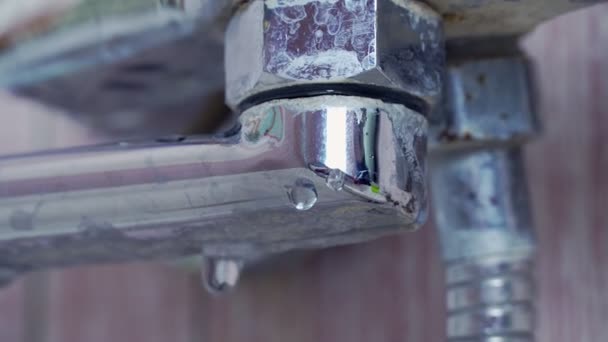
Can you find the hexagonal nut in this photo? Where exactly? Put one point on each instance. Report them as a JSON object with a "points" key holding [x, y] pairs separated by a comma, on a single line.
{"points": [[392, 46]]}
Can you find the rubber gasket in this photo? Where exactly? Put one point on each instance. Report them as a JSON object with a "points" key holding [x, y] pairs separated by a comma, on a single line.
{"points": [[340, 89]]}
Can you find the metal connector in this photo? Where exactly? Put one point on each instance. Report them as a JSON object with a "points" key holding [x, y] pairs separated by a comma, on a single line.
{"points": [[480, 199]]}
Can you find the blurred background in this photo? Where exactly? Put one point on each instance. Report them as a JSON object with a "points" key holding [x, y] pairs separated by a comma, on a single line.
{"points": [[388, 290]]}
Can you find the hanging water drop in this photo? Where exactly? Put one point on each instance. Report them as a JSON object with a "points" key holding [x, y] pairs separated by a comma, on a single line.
{"points": [[335, 180], [303, 194], [221, 275]]}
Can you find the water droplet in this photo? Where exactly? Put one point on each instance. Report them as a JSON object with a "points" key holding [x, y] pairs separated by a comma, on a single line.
{"points": [[221, 275], [335, 180], [303, 194]]}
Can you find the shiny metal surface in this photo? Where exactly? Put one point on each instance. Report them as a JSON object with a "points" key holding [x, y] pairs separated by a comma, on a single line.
{"points": [[232, 196], [491, 299], [221, 275], [496, 291], [395, 45], [384, 163], [486, 102]]}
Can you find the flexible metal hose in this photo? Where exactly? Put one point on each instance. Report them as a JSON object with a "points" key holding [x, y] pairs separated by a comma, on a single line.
{"points": [[491, 300], [484, 223]]}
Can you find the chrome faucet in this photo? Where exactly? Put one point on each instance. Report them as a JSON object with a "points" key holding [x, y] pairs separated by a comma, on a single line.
{"points": [[339, 102]]}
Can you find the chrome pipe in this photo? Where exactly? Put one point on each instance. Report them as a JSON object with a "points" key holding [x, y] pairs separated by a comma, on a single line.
{"points": [[354, 165]]}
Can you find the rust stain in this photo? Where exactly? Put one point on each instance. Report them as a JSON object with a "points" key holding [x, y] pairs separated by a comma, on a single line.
{"points": [[453, 17], [448, 136]]}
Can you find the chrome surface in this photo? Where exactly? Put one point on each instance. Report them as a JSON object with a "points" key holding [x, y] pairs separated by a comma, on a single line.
{"points": [[396, 45], [221, 275], [491, 299], [386, 161], [495, 291], [232, 195]]}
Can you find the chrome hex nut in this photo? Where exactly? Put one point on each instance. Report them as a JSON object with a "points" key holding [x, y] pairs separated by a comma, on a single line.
{"points": [[390, 46]]}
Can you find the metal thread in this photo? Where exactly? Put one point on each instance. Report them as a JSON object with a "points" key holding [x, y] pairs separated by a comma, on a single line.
{"points": [[490, 300]]}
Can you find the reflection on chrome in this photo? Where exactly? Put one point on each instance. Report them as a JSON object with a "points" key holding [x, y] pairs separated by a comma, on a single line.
{"points": [[164, 197], [336, 147]]}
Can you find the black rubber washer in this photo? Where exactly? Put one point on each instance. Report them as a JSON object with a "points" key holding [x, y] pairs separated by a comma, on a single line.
{"points": [[312, 90]]}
